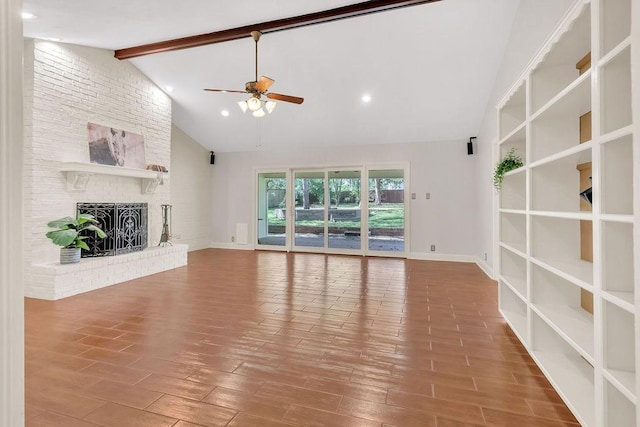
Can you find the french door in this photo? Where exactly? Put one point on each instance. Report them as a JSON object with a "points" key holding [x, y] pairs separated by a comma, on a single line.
{"points": [[271, 203], [387, 214], [346, 210], [327, 212], [308, 213]]}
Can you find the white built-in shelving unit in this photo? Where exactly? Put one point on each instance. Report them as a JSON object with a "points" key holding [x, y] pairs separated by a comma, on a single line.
{"points": [[567, 268]]}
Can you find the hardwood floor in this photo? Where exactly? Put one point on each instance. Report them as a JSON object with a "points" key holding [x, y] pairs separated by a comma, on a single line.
{"points": [[242, 338]]}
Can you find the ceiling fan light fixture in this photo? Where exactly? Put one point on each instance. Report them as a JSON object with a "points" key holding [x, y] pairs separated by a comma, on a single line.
{"points": [[254, 103], [270, 106], [257, 88]]}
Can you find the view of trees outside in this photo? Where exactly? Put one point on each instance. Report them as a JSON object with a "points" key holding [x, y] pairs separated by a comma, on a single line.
{"points": [[386, 200], [386, 205]]}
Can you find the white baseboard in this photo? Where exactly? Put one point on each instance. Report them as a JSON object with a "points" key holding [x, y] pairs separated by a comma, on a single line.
{"points": [[412, 255], [225, 245], [486, 268], [441, 257], [196, 247]]}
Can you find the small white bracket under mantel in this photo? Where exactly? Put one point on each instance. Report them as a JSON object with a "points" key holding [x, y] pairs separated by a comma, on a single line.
{"points": [[79, 174]]}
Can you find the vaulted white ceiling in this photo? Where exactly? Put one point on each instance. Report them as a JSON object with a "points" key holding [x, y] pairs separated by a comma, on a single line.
{"points": [[429, 69]]}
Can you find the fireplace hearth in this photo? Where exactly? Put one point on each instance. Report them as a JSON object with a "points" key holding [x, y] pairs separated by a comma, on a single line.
{"points": [[125, 225]]}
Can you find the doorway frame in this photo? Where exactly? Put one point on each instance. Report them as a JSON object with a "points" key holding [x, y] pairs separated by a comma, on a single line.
{"points": [[327, 206], [12, 362], [255, 213], [364, 169], [406, 170]]}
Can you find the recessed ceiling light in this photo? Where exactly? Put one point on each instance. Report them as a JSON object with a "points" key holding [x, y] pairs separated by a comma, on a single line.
{"points": [[28, 15], [366, 98], [169, 89], [224, 113]]}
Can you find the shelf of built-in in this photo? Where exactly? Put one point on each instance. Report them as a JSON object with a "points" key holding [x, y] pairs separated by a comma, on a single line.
{"points": [[566, 218], [571, 375], [514, 270], [513, 195], [516, 141], [513, 114], [514, 309]]}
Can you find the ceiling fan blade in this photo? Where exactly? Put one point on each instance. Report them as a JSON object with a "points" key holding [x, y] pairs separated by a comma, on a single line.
{"points": [[285, 98], [226, 90], [264, 83]]}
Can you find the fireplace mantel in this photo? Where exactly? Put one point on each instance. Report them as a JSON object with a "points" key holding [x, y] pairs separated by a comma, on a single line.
{"points": [[79, 174]]}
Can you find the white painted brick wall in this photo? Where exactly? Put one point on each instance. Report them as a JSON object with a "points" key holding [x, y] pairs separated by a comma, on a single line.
{"points": [[54, 281], [67, 86]]}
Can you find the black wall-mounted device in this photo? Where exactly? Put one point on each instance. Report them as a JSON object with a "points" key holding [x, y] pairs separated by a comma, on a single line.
{"points": [[212, 159], [470, 145]]}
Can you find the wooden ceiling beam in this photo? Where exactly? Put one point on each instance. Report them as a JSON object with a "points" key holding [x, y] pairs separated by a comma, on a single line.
{"points": [[349, 11]]}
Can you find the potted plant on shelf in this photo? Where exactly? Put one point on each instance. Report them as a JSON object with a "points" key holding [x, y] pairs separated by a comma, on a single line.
{"points": [[67, 235], [510, 162]]}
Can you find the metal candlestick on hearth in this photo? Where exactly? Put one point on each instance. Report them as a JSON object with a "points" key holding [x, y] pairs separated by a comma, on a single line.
{"points": [[165, 237]]}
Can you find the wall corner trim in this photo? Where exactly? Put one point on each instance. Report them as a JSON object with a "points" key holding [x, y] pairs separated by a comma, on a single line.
{"points": [[486, 268]]}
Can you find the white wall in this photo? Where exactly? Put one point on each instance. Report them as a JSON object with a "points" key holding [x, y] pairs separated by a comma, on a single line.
{"points": [[534, 22], [65, 87], [441, 168], [191, 198]]}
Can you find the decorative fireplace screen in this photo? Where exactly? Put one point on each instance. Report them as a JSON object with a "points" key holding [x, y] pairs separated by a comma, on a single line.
{"points": [[125, 225]]}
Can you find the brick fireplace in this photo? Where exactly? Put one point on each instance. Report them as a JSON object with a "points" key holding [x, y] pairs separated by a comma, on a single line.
{"points": [[66, 87]]}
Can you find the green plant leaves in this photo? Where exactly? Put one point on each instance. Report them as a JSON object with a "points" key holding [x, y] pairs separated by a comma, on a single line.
{"points": [[510, 162], [82, 245], [84, 218], [64, 238], [63, 223], [99, 232], [68, 231]]}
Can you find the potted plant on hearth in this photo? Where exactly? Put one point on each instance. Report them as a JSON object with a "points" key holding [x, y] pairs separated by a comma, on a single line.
{"points": [[67, 235]]}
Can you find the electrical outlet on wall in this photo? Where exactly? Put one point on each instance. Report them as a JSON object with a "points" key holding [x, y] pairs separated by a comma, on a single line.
{"points": [[485, 256], [433, 248], [233, 239]]}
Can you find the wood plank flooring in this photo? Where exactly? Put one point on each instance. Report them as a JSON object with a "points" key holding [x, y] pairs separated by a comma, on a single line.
{"points": [[242, 338]]}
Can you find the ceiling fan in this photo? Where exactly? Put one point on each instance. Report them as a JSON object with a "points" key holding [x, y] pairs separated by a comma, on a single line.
{"points": [[260, 87]]}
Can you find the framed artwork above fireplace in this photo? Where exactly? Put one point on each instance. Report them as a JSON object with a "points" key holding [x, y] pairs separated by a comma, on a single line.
{"points": [[115, 147]]}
